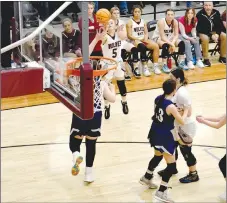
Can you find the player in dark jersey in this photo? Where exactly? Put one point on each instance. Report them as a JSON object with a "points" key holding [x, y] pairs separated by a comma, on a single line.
{"points": [[89, 128], [162, 137], [216, 123]]}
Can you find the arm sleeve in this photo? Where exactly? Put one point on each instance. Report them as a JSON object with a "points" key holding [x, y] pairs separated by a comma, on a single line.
{"points": [[182, 30]]}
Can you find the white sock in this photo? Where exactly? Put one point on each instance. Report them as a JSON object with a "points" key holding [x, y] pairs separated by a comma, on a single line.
{"points": [[75, 155]]}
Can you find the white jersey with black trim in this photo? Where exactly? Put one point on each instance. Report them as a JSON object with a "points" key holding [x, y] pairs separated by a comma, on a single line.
{"points": [[168, 30], [182, 99], [112, 47], [138, 30]]}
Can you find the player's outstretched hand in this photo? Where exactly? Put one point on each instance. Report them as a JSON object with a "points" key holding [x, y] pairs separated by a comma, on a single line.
{"points": [[200, 119]]}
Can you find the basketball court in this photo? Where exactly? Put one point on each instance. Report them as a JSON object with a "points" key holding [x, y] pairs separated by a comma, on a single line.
{"points": [[37, 161]]}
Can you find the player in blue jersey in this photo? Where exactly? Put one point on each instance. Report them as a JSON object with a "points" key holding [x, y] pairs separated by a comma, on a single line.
{"points": [[89, 128], [162, 137]]}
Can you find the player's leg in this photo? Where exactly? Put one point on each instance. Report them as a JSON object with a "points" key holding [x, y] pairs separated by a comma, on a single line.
{"points": [[143, 57], [181, 51], [94, 126], [161, 193], [119, 75], [154, 162], [76, 137], [222, 166], [165, 54], [190, 159], [129, 47], [151, 45]]}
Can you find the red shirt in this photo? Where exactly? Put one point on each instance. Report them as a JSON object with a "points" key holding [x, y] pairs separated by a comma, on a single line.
{"points": [[188, 28], [92, 32]]}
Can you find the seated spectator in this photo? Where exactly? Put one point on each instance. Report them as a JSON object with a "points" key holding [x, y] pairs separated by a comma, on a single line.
{"points": [[223, 17], [70, 39], [31, 48], [50, 44], [93, 27], [210, 27], [126, 45], [187, 30], [138, 35], [166, 35]]}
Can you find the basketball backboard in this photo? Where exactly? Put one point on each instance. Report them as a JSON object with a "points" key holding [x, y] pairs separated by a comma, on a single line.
{"points": [[75, 92]]}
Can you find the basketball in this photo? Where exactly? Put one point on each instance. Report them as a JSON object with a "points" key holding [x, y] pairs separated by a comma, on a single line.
{"points": [[103, 16]]}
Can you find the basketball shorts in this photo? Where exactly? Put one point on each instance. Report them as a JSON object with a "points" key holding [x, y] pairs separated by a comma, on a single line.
{"points": [[187, 131], [127, 45], [90, 127], [162, 139], [118, 72]]}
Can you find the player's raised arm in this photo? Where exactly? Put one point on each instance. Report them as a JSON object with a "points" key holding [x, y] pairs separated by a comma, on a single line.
{"points": [[100, 35]]}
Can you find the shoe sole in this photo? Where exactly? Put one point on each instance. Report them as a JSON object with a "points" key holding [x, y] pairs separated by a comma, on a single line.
{"points": [[76, 168], [190, 181], [143, 183], [160, 199]]}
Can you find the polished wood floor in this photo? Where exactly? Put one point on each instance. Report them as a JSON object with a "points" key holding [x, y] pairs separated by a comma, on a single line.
{"points": [[217, 71], [40, 171]]}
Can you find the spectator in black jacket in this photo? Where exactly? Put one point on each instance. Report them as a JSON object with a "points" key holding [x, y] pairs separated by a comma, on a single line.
{"points": [[210, 27]]}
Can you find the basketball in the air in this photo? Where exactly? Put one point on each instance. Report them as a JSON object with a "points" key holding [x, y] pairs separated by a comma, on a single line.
{"points": [[103, 16]]}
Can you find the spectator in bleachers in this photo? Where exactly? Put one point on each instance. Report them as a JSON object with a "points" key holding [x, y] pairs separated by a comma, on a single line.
{"points": [[210, 27], [126, 45], [50, 44], [166, 34], [223, 17], [93, 27], [138, 34], [187, 28], [70, 38]]}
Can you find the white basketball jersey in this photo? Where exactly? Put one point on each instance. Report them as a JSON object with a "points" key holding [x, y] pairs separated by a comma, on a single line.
{"points": [[138, 29], [182, 99], [120, 22], [112, 47], [168, 30]]}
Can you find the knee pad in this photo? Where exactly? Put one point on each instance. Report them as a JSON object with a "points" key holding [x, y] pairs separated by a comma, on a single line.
{"points": [[124, 55], [134, 52], [165, 51], [122, 87], [168, 172], [143, 52], [188, 156], [181, 49], [222, 166]]}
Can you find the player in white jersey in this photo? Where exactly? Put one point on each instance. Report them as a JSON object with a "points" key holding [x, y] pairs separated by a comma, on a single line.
{"points": [[166, 35], [126, 46], [187, 131], [138, 34], [89, 128], [111, 47]]}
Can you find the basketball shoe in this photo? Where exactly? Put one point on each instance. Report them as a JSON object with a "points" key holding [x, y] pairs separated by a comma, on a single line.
{"points": [[89, 176], [77, 160], [191, 177], [162, 196], [147, 182]]}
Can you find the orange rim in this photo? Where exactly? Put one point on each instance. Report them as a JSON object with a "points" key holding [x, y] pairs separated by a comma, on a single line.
{"points": [[71, 64]]}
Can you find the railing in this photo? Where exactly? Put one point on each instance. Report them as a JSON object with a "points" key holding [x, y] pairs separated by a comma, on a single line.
{"points": [[38, 30]]}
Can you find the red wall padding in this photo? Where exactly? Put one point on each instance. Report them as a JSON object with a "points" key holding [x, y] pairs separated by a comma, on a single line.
{"points": [[20, 82]]}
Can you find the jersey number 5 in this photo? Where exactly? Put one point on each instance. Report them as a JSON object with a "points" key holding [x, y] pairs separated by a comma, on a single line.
{"points": [[159, 115], [114, 53]]}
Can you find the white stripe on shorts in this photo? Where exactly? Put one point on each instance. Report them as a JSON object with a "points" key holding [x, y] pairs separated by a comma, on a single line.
{"points": [[163, 148], [74, 129], [95, 130]]}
